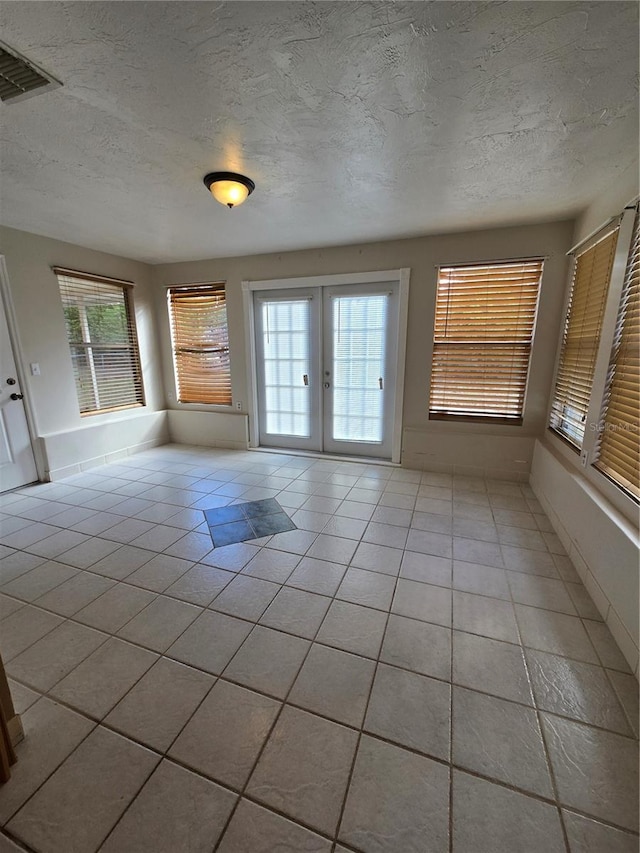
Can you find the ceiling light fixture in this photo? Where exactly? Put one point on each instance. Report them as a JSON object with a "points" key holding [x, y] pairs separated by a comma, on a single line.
{"points": [[229, 188]]}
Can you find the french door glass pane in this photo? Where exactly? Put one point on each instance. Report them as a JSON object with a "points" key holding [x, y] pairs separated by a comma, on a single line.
{"points": [[359, 336], [285, 332]]}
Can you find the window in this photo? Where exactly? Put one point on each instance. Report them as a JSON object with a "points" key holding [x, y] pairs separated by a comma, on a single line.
{"points": [[485, 316], [618, 448], [581, 337], [102, 340], [198, 316]]}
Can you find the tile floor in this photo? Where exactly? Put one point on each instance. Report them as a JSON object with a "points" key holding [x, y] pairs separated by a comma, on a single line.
{"points": [[416, 667]]}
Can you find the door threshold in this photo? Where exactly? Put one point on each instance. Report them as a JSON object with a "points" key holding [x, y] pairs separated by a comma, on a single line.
{"points": [[315, 454]]}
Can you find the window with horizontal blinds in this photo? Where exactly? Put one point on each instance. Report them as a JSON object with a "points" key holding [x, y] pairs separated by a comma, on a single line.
{"points": [[102, 339], [485, 317], [581, 338], [618, 446], [200, 336]]}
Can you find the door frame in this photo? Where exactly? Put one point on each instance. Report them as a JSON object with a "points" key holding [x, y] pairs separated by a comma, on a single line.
{"points": [[401, 276], [16, 346]]}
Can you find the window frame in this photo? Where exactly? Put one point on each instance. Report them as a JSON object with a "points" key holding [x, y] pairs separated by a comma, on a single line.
{"points": [[486, 417], [585, 456], [194, 286], [89, 347]]}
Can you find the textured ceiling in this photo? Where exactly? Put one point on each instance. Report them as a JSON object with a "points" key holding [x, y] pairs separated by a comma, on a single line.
{"points": [[357, 121]]}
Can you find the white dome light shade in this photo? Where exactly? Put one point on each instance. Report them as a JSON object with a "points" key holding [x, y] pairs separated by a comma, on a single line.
{"points": [[229, 188]]}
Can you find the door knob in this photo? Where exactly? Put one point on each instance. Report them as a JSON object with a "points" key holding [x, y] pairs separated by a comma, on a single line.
{"points": [[15, 396], [11, 381]]}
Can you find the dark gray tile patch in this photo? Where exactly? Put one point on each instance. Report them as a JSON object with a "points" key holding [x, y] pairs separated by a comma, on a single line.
{"points": [[250, 520]]}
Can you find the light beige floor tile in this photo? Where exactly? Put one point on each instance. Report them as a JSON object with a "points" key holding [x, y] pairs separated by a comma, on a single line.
{"points": [[397, 801], [554, 632], [596, 772], [76, 808], [85, 555], [477, 551], [626, 687], [268, 661], [334, 684], [160, 623], [492, 818], [491, 667], [159, 572], [606, 647], [426, 568], [418, 646], [422, 601], [110, 611], [260, 831], [74, 594], [530, 562], [57, 544], [225, 735], [304, 769], [24, 627], [33, 584], [377, 558], [317, 576], [411, 710], [500, 740], [21, 696], [353, 628], [296, 612], [52, 732], [176, 810], [103, 678], [332, 548], [16, 564], [548, 593], [488, 617], [271, 565], [480, 580], [48, 660], [578, 690], [200, 585], [246, 597], [371, 589], [211, 641], [158, 706], [589, 836], [122, 562]]}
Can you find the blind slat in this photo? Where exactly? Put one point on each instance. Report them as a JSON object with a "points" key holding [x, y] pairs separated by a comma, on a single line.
{"points": [[484, 320], [581, 338], [618, 446], [198, 317], [102, 339]]}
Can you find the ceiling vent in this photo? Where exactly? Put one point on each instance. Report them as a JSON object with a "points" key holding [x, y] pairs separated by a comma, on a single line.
{"points": [[20, 79]]}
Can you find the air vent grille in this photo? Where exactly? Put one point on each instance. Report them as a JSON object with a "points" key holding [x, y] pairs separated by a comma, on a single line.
{"points": [[19, 78]]}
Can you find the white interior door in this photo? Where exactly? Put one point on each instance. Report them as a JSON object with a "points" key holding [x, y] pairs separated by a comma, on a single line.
{"points": [[326, 368], [17, 464]]}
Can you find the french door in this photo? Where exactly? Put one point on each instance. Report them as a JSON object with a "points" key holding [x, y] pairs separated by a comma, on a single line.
{"points": [[326, 367]]}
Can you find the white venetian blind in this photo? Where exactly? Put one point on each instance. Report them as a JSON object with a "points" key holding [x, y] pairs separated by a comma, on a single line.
{"points": [[359, 343], [618, 448], [485, 317], [102, 340], [198, 315], [581, 338]]}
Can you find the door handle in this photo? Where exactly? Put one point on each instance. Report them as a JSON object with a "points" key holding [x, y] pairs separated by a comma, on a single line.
{"points": [[381, 383], [326, 385], [17, 396], [305, 379]]}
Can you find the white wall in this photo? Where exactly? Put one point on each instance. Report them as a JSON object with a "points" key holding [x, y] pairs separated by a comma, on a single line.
{"points": [[597, 522], [498, 450], [66, 440]]}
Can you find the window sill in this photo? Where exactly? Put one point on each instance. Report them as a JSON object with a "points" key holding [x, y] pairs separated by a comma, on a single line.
{"points": [[475, 419]]}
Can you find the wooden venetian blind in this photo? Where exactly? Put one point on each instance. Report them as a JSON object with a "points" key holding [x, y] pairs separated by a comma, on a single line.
{"points": [[102, 339], [200, 344], [618, 447], [581, 338], [485, 316]]}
